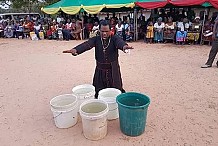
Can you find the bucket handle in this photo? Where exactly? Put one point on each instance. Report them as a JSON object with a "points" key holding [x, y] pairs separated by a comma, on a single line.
{"points": [[58, 115]]}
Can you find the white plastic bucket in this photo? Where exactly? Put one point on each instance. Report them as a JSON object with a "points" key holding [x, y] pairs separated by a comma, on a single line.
{"points": [[94, 118], [84, 92], [65, 110], [109, 95]]}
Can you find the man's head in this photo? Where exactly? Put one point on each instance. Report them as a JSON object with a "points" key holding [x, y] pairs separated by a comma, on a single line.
{"points": [[105, 29]]}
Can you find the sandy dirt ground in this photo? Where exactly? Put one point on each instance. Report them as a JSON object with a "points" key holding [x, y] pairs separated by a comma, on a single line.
{"points": [[184, 97]]}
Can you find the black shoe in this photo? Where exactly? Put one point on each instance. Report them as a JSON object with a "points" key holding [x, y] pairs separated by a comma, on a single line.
{"points": [[206, 66]]}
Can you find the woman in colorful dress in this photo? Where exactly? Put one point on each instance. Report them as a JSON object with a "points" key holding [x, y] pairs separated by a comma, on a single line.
{"points": [[182, 29], [194, 33]]}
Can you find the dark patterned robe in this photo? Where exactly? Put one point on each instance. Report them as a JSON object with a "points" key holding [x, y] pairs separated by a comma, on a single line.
{"points": [[107, 72]]}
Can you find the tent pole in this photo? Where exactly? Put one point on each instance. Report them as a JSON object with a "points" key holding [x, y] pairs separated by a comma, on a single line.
{"points": [[202, 28], [134, 18]]}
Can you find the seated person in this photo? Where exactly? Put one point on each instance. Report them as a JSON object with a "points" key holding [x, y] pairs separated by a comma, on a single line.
{"points": [[28, 27], [113, 26], [119, 29], [37, 29], [20, 30], [95, 30], [158, 30], [1, 30], [88, 29], [9, 31], [194, 32], [53, 29], [182, 29], [44, 27], [77, 31], [60, 31], [51, 33], [207, 32], [169, 31], [129, 35]]}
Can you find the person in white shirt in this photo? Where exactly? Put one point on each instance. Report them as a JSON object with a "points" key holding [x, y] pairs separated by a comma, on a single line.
{"points": [[58, 19], [119, 29], [60, 31], [181, 33], [37, 28], [158, 30], [69, 25], [95, 30]]}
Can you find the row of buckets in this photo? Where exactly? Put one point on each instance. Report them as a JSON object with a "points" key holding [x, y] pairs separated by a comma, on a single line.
{"points": [[130, 108]]}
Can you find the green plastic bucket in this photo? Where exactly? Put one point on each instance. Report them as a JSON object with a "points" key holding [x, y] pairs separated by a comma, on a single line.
{"points": [[132, 108]]}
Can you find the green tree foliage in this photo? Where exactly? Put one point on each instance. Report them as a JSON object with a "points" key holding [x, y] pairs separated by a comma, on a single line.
{"points": [[26, 5]]}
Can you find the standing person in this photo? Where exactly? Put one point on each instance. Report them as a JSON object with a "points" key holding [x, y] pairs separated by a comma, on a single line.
{"points": [[150, 32], [214, 48], [107, 72]]}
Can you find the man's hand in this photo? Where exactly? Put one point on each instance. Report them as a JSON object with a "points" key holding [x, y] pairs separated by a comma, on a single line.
{"points": [[126, 47], [72, 51]]}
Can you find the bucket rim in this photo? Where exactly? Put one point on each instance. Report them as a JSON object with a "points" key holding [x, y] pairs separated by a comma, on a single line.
{"points": [[111, 99], [94, 117], [61, 107], [82, 86], [134, 107], [84, 95], [109, 89], [66, 109]]}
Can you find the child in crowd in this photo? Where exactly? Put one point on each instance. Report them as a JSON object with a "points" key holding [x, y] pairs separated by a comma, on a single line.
{"points": [[60, 31], [150, 32]]}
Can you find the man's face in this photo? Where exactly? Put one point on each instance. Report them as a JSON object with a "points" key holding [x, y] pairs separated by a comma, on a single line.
{"points": [[105, 31]]}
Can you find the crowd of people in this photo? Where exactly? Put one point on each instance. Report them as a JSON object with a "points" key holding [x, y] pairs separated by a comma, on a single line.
{"points": [[180, 28], [61, 28]]}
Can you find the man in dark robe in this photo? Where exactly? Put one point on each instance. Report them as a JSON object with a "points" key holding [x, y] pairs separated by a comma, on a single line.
{"points": [[107, 72], [214, 49]]}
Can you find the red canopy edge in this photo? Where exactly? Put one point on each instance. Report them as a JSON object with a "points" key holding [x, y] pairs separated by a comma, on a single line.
{"points": [[187, 2], [214, 3], [153, 5]]}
